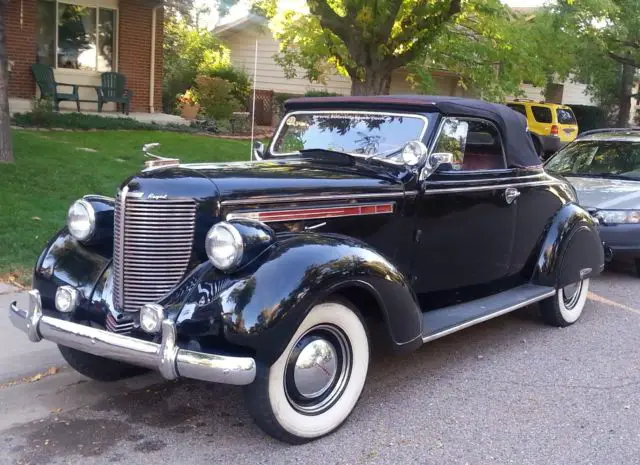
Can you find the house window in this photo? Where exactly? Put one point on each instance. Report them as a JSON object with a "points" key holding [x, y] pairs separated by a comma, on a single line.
{"points": [[75, 36]]}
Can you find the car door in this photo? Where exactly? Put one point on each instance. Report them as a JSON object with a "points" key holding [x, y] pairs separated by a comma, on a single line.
{"points": [[465, 223]]}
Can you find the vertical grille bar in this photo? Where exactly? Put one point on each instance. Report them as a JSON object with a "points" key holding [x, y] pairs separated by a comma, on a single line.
{"points": [[152, 248]]}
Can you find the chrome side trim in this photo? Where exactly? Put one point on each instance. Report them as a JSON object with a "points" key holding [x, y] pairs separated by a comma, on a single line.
{"points": [[98, 197], [453, 190], [483, 180], [490, 316], [170, 360], [424, 119], [314, 213], [315, 198]]}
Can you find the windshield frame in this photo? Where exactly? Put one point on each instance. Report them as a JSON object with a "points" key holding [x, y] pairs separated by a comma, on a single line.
{"points": [[274, 154]]}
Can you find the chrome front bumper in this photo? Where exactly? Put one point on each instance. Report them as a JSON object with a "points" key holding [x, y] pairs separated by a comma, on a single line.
{"points": [[171, 361]]}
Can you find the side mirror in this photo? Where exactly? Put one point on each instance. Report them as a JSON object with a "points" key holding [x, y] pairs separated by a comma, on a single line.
{"points": [[435, 161], [258, 150]]}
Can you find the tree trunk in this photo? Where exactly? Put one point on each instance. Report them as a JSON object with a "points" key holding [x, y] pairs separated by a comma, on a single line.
{"points": [[626, 89], [6, 154], [375, 82]]}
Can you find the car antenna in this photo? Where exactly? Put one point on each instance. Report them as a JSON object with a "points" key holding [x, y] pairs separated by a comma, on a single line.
{"points": [[253, 109]]}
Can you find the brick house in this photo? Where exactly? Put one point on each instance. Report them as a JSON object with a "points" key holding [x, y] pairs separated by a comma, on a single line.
{"points": [[81, 39]]}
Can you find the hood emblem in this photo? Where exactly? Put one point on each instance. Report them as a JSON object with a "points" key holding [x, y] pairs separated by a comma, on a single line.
{"points": [[157, 160], [157, 197]]}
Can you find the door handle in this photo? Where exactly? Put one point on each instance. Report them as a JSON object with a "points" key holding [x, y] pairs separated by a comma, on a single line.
{"points": [[511, 194]]}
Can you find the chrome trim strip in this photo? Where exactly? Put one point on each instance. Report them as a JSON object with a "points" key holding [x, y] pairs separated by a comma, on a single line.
{"points": [[315, 198], [482, 180], [98, 197], [307, 213], [347, 112], [490, 316], [167, 358], [453, 190], [118, 249]]}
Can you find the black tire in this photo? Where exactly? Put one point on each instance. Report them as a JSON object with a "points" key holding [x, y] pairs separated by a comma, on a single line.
{"points": [[271, 398], [563, 309], [637, 263], [99, 368]]}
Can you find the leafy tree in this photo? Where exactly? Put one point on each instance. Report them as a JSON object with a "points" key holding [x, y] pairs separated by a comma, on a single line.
{"points": [[492, 49], [608, 48], [6, 154]]}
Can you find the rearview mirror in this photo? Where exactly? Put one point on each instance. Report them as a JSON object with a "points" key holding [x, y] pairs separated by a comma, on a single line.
{"points": [[258, 150], [435, 161]]}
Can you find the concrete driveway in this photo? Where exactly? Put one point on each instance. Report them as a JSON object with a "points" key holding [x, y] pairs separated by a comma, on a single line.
{"points": [[510, 391]]}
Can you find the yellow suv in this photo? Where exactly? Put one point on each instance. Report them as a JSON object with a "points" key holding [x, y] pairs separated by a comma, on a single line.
{"points": [[552, 126]]}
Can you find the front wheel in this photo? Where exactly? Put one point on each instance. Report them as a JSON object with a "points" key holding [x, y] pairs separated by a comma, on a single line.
{"points": [[317, 381], [564, 308]]}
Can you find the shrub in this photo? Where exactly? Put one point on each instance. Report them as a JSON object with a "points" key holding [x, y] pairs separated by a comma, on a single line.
{"points": [[43, 119], [320, 93], [589, 117], [240, 82], [215, 97]]}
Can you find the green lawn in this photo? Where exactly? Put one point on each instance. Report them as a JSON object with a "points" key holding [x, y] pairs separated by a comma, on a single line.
{"points": [[53, 168]]}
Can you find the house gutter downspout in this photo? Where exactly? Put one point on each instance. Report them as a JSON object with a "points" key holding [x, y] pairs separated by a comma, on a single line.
{"points": [[152, 71]]}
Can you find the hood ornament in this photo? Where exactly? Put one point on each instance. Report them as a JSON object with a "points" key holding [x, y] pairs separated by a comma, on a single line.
{"points": [[157, 160]]}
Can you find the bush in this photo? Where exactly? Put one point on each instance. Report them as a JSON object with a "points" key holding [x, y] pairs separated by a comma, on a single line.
{"points": [[589, 117], [43, 119], [239, 79], [216, 97], [320, 93]]}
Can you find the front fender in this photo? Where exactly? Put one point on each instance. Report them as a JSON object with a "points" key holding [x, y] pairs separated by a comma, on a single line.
{"points": [[262, 306], [571, 249]]}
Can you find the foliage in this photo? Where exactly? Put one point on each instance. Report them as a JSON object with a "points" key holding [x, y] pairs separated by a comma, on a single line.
{"points": [[49, 119], [189, 97], [216, 97], [187, 53], [320, 93], [491, 48], [239, 79], [589, 117], [33, 211]]}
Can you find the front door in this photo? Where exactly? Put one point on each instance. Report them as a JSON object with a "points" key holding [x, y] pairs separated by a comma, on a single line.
{"points": [[465, 216]]}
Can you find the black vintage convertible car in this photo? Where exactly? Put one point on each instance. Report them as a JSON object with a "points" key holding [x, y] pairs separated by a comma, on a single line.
{"points": [[418, 215]]}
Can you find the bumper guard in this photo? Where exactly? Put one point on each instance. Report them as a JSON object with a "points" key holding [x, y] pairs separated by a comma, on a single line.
{"points": [[171, 361]]}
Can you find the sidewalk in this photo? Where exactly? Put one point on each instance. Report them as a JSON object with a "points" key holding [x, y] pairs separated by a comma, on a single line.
{"points": [[18, 356]]}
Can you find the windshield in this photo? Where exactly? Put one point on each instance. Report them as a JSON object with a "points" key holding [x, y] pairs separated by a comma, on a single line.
{"points": [[356, 133], [598, 158]]}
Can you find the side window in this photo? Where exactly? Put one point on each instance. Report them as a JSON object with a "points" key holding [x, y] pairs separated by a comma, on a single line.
{"points": [[475, 144], [519, 108], [541, 114]]}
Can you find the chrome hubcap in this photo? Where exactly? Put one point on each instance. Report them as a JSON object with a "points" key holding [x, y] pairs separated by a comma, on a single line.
{"points": [[318, 369], [571, 295]]}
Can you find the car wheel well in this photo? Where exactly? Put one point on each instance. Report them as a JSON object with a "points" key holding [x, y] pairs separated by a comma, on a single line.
{"points": [[365, 301]]}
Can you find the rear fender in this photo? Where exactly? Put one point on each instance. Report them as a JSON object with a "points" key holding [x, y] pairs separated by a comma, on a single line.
{"points": [[261, 306], [571, 250]]}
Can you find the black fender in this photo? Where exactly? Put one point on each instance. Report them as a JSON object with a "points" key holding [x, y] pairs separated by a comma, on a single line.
{"points": [[261, 306], [571, 249]]}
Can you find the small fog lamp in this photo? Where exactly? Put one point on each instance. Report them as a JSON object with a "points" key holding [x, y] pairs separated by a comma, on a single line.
{"points": [[151, 316], [67, 299]]}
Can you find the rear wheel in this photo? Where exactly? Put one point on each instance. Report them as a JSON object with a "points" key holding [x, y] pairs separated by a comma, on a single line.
{"points": [[564, 308], [98, 368], [315, 384]]}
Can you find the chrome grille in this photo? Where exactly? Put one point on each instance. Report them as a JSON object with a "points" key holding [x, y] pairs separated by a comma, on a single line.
{"points": [[152, 246], [114, 326]]}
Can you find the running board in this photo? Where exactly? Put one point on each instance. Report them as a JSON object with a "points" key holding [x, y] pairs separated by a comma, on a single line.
{"points": [[444, 321]]}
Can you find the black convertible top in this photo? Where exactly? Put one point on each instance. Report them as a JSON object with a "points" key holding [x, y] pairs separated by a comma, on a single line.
{"points": [[519, 148]]}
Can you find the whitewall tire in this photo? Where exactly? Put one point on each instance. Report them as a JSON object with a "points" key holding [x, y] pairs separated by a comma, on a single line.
{"points": [[317, 381], [565, 308]]}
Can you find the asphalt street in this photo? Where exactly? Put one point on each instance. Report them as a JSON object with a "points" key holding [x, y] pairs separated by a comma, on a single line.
{"points": [[509, 391]]}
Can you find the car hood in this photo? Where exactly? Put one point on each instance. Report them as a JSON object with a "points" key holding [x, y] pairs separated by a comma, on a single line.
{"points": [[602, 193]]}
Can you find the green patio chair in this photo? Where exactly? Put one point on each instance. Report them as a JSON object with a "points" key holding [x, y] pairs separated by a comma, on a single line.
{"points": [[114, 89], [46, 81]]}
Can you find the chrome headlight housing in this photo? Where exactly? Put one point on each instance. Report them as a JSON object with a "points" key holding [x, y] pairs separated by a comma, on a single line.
{"points": [[618, 216], [81, 220], [224, 246]]}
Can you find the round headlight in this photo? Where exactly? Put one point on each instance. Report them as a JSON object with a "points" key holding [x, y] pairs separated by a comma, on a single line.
{"points": [[413, 151], [151, 316], [224, 246], [67, 299], [81, 220]]}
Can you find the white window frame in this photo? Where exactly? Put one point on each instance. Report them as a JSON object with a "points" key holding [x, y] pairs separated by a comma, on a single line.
{"points": [[97, 5]]}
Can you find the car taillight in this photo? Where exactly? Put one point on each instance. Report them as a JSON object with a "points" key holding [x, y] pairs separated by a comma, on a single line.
{"points": [[554, 130]]}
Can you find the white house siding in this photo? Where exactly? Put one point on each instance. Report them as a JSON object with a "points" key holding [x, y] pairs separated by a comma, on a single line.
{"points": [[576, 94]]}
